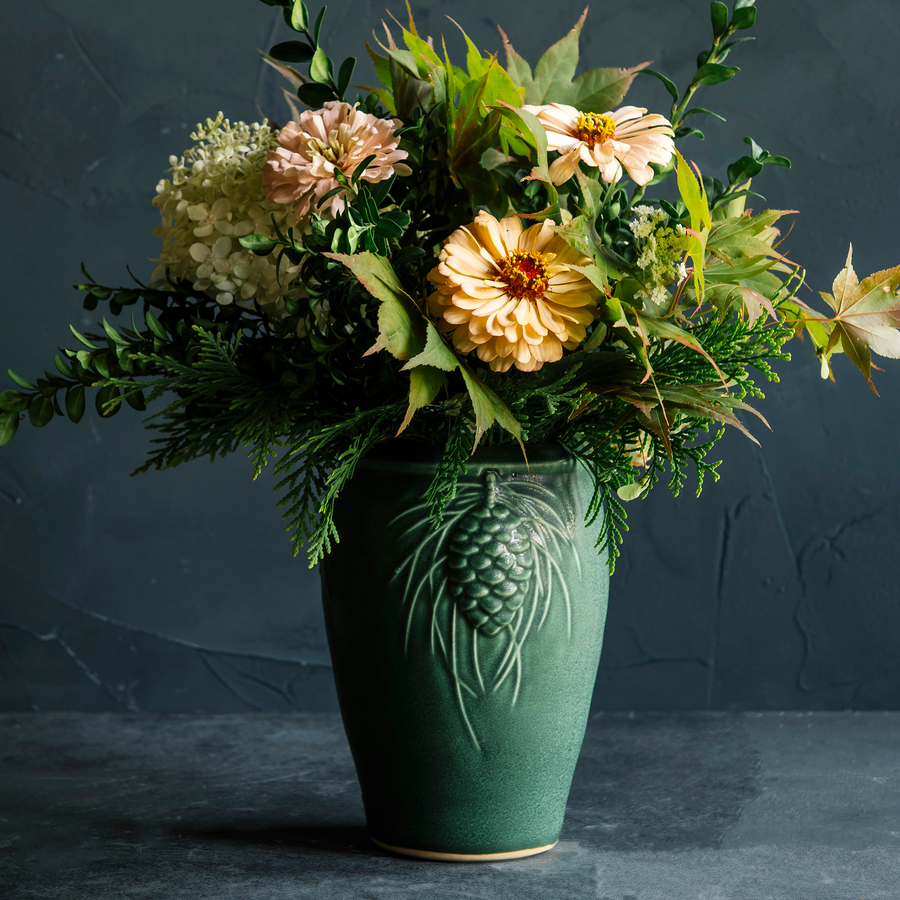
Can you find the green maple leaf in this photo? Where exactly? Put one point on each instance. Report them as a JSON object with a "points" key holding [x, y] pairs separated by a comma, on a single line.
{"points": [[554, 79]]}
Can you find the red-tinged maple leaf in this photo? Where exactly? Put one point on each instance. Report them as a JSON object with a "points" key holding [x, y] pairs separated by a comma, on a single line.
{"points": [[867, 315]]}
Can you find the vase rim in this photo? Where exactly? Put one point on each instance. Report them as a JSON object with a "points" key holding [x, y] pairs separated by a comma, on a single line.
{"points": [[401, 455]]}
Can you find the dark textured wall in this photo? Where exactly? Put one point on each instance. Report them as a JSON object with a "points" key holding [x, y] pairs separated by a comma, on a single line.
{"points": [[177, 591]]}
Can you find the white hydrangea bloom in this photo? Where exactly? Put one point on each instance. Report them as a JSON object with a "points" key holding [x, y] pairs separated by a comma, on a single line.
{"points": [[214, 197]]}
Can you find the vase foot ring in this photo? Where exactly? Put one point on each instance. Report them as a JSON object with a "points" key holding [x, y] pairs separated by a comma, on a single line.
{"points": [[463, 857]]}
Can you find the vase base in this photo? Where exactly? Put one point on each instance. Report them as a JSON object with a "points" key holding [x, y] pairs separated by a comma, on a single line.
{"points": [[463, 857]]}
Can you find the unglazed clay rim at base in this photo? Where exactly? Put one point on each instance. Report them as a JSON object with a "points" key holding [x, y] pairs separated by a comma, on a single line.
{"points": [[464, 857]]}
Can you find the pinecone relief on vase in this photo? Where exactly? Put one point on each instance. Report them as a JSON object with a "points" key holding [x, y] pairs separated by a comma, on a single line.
{"points": [[485, 582]]}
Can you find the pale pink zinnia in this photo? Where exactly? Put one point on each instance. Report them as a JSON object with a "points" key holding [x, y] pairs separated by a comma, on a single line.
{"points": [[510, 294], [338, 136], [608, 141]]}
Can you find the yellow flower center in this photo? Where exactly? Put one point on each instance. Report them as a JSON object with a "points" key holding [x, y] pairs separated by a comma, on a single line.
{"points": [[526, 274], [594, 128], [332, 151]]}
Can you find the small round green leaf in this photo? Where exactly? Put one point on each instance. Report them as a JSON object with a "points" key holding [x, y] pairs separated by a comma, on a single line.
{"points": [[9, 424], [713, 73], [321, 69], [299, 16], [258, 243], [14, 401], [314, 95], [719, 14], [136, 401], [75, 402], [292, 51], [744, 18], [106, 395], [40, 411]]}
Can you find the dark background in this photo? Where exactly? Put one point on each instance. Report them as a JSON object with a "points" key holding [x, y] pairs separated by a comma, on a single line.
{"points": [[177, 590]]}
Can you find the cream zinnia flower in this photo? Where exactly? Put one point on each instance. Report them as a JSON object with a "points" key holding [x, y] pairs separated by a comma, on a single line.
{"points": [[508, 293], [338, 136], [608, 141]]}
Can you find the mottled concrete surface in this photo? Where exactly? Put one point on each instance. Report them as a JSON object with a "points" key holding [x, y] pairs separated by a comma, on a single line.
{"points": [[674, 806], [176, 591]]}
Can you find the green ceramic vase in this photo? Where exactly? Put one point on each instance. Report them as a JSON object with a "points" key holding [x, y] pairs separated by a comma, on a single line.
{"points": [[465, 657]]}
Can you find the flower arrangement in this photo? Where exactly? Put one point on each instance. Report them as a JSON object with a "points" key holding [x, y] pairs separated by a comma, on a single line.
{"points": [[462, 256]]}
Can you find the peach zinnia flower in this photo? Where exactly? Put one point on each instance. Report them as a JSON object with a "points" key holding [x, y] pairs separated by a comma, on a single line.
{"points": [[508, 293], [608, 141], [338, 136]]}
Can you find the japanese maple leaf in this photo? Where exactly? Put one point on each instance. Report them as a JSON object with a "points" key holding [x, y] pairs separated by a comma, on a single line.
{"points": [[867, 315]]}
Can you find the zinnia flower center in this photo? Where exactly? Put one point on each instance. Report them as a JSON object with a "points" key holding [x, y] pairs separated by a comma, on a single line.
{"points": [[526, 274], [594, 128], [332, 151]]}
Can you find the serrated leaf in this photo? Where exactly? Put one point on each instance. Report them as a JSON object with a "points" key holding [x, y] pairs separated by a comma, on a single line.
{"points": [[382, 66], [489, 408], [424, 384], [518, 68], [693, 194], [554, 70], [669, 331], [9, 425], [400, 330], [436, 353], [867, 315], [600, 89], [474, 130], [75, 402]]}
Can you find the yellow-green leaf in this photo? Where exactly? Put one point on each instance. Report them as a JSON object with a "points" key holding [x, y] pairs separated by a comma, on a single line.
{"points": [[400, 329], [867, 315], [693, 194], [424, 384], [436, 353], [489, 408]]}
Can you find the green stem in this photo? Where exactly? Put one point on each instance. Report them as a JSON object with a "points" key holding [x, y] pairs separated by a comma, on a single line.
{"points": [[679, 108]]}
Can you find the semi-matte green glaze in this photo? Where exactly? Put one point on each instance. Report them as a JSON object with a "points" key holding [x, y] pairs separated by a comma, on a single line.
{"points": [[465, 657]]}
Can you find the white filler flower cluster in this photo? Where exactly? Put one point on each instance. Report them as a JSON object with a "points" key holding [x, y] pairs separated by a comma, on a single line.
{"points": [[662, 250], [214, 197]]}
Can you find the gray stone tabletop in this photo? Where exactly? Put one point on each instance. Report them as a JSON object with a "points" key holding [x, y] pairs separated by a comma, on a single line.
{"points": [[699, 806]]}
